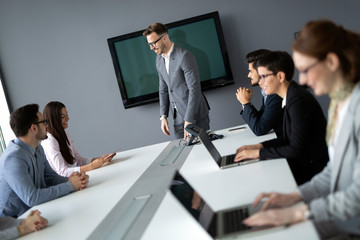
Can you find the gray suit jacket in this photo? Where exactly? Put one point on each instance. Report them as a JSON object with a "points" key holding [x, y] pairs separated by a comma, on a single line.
{"points": [[334, 194], [181, 86]]}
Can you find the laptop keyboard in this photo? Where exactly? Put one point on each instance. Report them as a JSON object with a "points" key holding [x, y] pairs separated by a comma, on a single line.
{"points": [[233, 220], [230, 159]]}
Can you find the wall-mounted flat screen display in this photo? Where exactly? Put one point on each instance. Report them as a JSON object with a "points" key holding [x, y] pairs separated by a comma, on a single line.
{"points": [[134, 61]]}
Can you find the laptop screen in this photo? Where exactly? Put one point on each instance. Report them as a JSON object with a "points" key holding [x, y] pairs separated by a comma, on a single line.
{"points": [[210, 146], [193, 203]]}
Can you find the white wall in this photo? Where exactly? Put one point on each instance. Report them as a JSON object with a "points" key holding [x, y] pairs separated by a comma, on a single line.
{"points": [[8, 134], [57, 50]]}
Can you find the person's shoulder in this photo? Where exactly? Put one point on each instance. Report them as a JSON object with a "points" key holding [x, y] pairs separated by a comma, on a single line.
{"points": [[274, 97], [40, 149], [158, 57], [50, 137], [295, 87], [13, 149], [181, 51], [297, 91], [354, 106], [356, 93], [49, 141], [13, 155]]}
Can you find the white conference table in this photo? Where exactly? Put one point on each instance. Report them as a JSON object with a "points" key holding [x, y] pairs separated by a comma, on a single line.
{"points": [[224, 189], [76, 215]]}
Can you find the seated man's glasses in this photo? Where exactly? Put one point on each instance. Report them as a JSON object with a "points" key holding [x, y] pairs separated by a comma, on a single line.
{"points": [[45, 121]]}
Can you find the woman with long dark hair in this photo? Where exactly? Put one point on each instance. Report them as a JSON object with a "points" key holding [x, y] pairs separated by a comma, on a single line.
{"points": [[327, 57], [59, 148]]}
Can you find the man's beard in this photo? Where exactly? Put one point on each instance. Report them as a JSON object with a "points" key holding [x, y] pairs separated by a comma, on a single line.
{"points": [[254, 84], [40, 137]]}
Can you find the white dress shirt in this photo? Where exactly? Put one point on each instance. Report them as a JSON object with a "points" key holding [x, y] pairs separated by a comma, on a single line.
{"points": [[56, 160]]}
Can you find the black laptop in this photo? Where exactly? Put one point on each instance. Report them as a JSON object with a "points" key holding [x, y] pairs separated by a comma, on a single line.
{"points": [[222, 161], [221, 224]]}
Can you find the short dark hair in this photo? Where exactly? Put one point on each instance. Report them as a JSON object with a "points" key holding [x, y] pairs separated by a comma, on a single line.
{"points": [[256, 55], [157, 28], [278, 61], [22, 119]]}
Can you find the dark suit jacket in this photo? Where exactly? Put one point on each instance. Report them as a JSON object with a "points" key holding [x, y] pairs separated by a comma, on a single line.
{"points": [[182, 86], [303, 140], [270, 116]]}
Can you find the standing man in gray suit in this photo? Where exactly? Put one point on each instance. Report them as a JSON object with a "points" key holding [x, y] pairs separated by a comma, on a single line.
{"points": [[179, 83]]}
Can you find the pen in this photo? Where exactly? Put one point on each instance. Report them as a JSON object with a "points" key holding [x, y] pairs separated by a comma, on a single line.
{"points": [[233, 129]]}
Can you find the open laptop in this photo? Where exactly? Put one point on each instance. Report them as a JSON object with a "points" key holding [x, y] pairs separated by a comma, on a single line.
{"points": [[222, 161], [222, 224]]}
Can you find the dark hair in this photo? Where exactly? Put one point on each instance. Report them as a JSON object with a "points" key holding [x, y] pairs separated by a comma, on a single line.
{"points": [[318, 38], [254, 56], [52, 112], [22, 119], [157, 28], [278, 61]]}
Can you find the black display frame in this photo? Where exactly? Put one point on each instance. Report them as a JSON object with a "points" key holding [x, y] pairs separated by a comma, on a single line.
{"points": [[226, 79]]}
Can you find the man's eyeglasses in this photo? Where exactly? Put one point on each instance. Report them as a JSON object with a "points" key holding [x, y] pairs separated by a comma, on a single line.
{"points": [[153, 44], [45, 121], [306, 70], [264, 76]]}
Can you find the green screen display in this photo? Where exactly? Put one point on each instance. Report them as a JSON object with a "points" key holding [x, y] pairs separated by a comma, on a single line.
{"points": [[134, 61]]}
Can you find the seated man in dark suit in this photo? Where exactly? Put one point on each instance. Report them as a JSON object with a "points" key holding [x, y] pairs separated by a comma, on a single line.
{"points": [[304, 124], [270, 115]]}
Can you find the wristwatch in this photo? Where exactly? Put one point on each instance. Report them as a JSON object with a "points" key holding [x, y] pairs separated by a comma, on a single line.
{"points": [[163, 117]]}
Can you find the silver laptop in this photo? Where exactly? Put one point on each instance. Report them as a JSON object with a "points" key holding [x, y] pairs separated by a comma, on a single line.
{"points": [[222, 161], [222, 224]]}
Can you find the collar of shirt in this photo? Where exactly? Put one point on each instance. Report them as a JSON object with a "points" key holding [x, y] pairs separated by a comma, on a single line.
{"points": [[283, 104], [25, 146], [167, 58], [263, 93]]}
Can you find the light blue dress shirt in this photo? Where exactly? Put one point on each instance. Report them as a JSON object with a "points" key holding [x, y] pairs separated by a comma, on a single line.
{"points": [[26, 179]]}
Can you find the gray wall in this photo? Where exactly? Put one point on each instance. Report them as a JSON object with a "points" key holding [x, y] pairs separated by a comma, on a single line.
{"points": [[57, 50]]}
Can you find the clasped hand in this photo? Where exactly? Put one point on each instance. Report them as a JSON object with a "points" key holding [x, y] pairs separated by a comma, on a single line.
{"points": [[33, 222], [243, 95], [79, 180]]}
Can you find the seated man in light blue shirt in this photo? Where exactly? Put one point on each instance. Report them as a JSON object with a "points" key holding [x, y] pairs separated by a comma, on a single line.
{"points": [[26, 178]]}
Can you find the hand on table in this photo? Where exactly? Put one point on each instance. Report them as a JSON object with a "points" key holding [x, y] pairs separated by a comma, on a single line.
{"points": [[34, 222], [186, 134], [248, 152], [275, 199], [79, 180], [277, 217]]}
